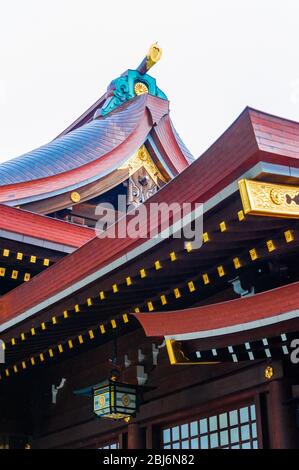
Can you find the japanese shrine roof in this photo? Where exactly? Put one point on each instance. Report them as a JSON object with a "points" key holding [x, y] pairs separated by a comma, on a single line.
{"points": [[79, 147], [93, 150], [254, 139]]}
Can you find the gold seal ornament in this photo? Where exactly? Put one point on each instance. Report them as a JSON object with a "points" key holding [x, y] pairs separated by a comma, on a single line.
{"points": [[75, 197], [269, 372], [154, 55], [277, 196], [126, 400], [140, 88]]}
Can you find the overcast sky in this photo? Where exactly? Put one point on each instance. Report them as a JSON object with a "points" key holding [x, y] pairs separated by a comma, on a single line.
{"points": [[58, 56]]}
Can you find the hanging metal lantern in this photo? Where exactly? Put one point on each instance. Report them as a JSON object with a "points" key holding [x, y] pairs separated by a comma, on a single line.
{"points": [[115, 400]]}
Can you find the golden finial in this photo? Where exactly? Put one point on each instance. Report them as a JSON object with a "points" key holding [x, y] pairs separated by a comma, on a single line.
{"points": [[153, 56]]}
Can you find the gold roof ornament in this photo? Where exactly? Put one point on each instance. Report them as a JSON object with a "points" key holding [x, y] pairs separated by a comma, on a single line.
{"points": [[269, 372], [154, 55], [133, 83], [75, 197], [140, 88], [143, 159], [269, 199]]}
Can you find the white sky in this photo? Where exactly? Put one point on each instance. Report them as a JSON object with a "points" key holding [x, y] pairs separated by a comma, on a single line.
{"points": [[58, 56]]}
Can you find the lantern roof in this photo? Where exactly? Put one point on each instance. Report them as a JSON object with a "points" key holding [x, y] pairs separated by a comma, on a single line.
{"points": [[88, 391]]}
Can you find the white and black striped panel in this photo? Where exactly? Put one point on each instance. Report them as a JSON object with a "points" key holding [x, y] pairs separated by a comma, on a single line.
{"points": [[264, 348]]}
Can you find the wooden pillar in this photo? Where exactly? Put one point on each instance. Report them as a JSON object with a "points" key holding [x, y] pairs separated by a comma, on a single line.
{"points": [[135, 437], [262, 420], [122, 440], [280, 420], [149, 436]]}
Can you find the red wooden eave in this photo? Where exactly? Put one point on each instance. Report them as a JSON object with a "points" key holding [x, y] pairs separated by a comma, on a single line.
{"points": [[32, 225], [221, 315]]}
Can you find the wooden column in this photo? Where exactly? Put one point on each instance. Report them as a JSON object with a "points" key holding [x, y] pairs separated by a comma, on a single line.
{"points": [[149, 436], [122, 440], [279, 416], [135, 437]]}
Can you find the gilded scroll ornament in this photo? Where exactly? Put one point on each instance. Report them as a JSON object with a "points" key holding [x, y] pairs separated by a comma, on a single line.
{"points": [[143, 159], [269, 199]]}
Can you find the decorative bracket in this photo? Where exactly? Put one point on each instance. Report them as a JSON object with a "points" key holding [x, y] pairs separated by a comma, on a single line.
{"points": [[238, 289], [55, 390]]}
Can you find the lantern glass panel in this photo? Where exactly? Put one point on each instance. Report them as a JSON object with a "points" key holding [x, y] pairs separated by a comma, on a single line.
{"points": [[101, 401]]}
